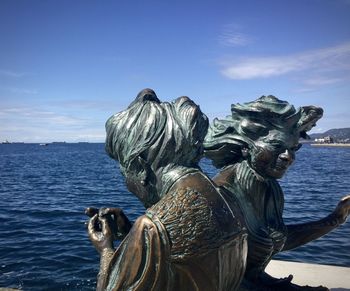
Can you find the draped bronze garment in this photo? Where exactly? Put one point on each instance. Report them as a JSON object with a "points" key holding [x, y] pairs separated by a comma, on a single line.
{"points": [[261, 201], [190, 240]]}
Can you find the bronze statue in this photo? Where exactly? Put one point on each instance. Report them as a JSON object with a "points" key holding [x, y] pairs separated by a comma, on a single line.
{"points": [[254, 147], [190, 238], [193, 235]]}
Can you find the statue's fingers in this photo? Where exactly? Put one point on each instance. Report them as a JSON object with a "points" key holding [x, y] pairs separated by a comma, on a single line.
{"points": [[344, 205], [91, 228], [106, 230], [111, 211], [284, 280], [91, 211], [289, 278], [114, 210], [103, 211], [345, 199], [92, 223], [124, 224]]}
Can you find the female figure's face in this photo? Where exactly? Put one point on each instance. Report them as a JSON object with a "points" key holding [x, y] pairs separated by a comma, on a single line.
{"points": [[274, 153]]}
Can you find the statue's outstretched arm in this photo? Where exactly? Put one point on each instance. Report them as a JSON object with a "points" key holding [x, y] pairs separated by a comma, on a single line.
{"points": [[300, 234]]}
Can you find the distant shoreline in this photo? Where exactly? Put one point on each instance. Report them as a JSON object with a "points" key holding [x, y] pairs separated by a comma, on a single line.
{"points": [[330, 144]]}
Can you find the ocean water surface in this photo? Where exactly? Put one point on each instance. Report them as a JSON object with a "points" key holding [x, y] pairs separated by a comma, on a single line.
{"points": [[45, 189]]}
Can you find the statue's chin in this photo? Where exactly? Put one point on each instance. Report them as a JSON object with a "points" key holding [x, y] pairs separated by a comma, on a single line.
{"points": [[276, 173]]}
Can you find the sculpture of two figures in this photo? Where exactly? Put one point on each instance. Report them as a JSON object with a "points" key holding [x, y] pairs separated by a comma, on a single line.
{"points": [[201, 233]]}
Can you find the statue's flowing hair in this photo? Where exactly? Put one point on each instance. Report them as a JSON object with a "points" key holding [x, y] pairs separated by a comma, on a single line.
{"points": [[227, 137], [158, 133]]}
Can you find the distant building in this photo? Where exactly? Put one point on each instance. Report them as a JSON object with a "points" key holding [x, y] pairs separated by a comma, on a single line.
{"points": [[326, 139]]}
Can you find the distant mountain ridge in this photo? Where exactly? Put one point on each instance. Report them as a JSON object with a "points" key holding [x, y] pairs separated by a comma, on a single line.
{"points": [[336, 134]]}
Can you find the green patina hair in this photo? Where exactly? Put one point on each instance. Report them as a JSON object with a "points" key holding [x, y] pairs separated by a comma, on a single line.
{"points": [[250, 121], [160, 133]]}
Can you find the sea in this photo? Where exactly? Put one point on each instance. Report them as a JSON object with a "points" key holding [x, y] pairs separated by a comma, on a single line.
{"points": [[45, 189]]}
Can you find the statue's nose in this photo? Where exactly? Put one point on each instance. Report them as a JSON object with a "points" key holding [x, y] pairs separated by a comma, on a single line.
{"points": [[287, 156]]}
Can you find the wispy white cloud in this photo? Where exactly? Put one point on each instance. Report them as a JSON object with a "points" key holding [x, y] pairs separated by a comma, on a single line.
{"points": [[24, 91], [38, 116], [328, 60], [320, 81], [251, 68], [41, 124], [12, 74], [232, 35], [234, 39], [28, 133]]}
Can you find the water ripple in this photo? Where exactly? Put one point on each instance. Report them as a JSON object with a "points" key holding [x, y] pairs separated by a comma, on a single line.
{"points": [[44, 191]]}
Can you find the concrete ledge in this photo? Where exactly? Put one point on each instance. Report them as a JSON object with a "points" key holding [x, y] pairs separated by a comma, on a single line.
{"points": [[335, 278]]}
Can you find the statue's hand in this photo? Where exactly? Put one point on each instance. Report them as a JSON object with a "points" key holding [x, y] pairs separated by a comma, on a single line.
{"points": [[120, 224], [100, 233], [91, 211], [116, 218], [342, 211]]}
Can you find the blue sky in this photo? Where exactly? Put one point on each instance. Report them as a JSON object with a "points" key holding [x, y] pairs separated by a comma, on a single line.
{"points": [[66, 66]]}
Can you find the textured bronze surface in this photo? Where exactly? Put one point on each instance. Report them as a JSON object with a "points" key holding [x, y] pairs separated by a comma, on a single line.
{"points": [[198, 233], [254, 147], [190, 237]]}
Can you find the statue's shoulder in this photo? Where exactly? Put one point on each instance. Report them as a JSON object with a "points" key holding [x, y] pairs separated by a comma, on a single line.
{"points": [[226, 176], [196, 219]]}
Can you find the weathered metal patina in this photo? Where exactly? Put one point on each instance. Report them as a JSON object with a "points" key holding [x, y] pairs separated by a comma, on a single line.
{"points": [[254, 147], [190, 239], [198, 233]]}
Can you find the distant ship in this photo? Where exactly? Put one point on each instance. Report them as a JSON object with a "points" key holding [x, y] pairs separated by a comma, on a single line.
{"points": [[6, 142]]}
